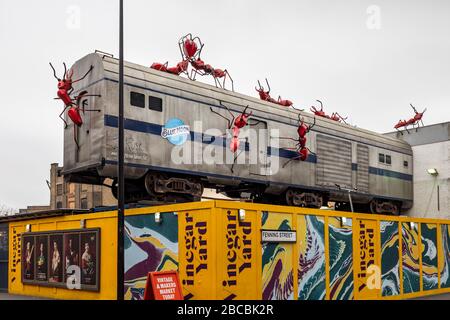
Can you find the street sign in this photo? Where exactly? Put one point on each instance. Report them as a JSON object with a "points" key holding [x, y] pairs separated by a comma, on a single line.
{"points": [[278, 236]]}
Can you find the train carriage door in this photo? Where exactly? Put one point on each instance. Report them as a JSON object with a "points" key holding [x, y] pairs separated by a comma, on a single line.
{"points": [[362, 173], [334, 162], [256, 146]]}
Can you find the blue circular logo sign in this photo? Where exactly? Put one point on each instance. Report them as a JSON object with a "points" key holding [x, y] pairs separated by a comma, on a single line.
{"points": [[175, 131]]}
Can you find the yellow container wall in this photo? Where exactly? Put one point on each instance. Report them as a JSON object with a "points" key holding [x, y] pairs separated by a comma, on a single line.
{"points": [[107, 223], [218, 252]]}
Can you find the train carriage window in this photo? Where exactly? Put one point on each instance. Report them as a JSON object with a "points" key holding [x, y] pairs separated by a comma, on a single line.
{"points": [[155, 103], [137, 99], [381, 157], [405, 164], [388, 159]]}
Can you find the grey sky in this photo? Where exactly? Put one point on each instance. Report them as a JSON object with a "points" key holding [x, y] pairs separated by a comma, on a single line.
{"points": [[308, 49]]}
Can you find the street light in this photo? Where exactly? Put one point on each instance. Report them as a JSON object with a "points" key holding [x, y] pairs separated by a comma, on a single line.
{"points": [[432, 171], [120, 180]]}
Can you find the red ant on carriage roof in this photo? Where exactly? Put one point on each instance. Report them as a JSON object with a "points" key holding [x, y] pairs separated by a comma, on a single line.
{"points": [[235, 124], [320, 113], [265, 95], [300, 146], [190, 49], [417, 119], [65, 89]]}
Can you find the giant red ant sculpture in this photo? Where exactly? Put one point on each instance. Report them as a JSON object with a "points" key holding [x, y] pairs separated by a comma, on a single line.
{"points": [[417, 119], [300, 146], [235, 124], [320, 113], [265, 95], [65, 89], [190, 49]]}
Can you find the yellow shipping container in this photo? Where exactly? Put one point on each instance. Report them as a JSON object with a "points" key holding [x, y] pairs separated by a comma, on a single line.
{"points": [[233, 250]]}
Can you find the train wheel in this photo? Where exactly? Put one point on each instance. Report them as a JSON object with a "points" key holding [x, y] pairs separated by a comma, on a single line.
{"points": [[384, 207], [299, 198]]}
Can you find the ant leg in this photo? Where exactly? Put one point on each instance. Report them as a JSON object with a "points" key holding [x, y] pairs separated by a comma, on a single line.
{"points": [[90, 95], [228, 120], [220, 102], [288, 138], [295, 158], [64, 110], [217, 82], [234, 161], [231, 79], [399, 131], [254, 123], [90, 69], [75, 136]]}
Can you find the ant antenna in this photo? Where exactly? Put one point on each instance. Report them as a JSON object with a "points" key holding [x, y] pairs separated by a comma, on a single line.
{"points": [[65, 70], [260, 87], [321, 104], [54, 72], [268, 86]]}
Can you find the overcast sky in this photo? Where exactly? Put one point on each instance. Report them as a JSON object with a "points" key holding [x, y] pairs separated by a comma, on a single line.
{"points": [[364, 59]]}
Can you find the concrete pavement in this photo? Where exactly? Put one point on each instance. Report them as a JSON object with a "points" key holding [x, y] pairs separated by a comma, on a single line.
{"points": [[7, 296]]}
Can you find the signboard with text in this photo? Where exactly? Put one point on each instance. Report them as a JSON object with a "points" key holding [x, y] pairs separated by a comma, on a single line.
{"points": [[164, 285], [278, 236]]}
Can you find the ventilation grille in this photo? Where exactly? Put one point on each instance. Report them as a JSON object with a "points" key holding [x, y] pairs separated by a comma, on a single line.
{"points": [[334, 162], [362, 177]]}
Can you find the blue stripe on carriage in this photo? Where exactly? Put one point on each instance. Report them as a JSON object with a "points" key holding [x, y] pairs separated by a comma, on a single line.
{"points": [[390, 174], [155, 129], [289, 154]]}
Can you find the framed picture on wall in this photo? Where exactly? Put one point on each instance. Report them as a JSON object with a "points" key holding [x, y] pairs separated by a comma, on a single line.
{"points": [[59, 258], [89, 259], [55, 258], [71, 253], [28, 258], [42, 258]]}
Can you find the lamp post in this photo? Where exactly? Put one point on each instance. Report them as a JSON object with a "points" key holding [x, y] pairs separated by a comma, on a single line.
{"points": [[120, 169]]}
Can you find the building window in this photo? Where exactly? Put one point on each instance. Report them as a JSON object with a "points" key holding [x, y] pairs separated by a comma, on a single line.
{"points": [[137, 99], [155, 103], [405, 164], [59, 189], [381, 157], [84, 203], [59, 205], [388, 159]]}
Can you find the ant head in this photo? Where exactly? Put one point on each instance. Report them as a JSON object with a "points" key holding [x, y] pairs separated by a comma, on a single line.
{"points": [[261, 88], [66, 81], [62, 84]]}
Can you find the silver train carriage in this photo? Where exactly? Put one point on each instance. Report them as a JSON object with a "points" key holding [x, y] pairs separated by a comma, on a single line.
{"points": [[172, 151]]}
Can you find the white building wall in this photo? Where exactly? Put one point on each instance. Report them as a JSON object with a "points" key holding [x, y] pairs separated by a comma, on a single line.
{"points": [[434, 155]]}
